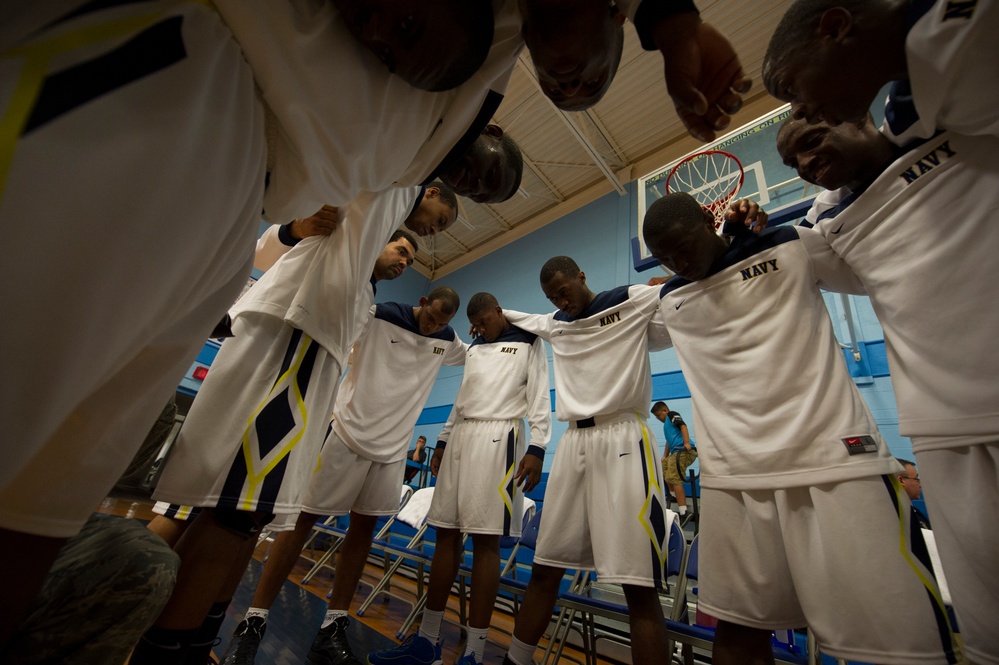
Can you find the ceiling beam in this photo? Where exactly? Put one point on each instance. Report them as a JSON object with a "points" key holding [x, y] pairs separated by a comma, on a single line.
{"points": [[594, 154]]}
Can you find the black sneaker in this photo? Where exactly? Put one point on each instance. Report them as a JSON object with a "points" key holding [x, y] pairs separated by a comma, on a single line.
{"points": [[246, 638], [331, 647]]}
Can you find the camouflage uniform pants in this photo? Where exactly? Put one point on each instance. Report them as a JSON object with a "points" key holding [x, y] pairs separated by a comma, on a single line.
{"points": [[107, 586]]}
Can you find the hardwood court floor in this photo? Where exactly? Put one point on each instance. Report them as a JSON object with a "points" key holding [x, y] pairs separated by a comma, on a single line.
{"points": [[298, 612]]}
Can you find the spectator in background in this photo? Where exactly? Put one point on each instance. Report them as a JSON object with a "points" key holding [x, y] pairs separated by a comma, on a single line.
{"points": [[680, 452], [910, 483], [419, 456]]}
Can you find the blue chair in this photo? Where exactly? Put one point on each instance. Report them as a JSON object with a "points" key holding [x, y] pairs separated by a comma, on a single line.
{"points": [[336, 527], [410, 524], [681, 629], [580, 601]]}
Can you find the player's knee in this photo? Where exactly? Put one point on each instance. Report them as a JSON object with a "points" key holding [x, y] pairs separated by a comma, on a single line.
{"points": [[241, 522]]}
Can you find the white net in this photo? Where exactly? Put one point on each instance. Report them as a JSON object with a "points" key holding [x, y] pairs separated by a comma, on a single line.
{"points": [[712, 177]]}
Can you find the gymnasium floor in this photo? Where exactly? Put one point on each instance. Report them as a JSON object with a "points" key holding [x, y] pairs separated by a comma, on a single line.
{"points": [[298, 611]]}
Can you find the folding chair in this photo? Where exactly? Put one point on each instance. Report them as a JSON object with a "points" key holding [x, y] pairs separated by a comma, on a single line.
{"points": [[412, 516], [692, 636], [580, 602], [337, 528], [511, 543]]}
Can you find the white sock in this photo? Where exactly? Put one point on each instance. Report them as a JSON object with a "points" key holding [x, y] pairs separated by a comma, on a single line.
{"points": [[257, 612], [430, 626], [520, 653], [476, 642], [331, 615], [681, 510]]}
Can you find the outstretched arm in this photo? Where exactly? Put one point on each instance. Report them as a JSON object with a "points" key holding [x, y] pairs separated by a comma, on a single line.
{"points": [[702, 71]]}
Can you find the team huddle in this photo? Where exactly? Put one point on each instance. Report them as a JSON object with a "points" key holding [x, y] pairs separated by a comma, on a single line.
{"points": [[153, 135]]}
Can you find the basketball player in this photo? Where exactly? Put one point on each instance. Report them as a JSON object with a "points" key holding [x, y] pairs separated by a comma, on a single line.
{"points": [[576, 47], [925, 283], [607, 458], [294, 329], [505, 379], [829, 59], [787, 455], [394, 365], [139, 133]]}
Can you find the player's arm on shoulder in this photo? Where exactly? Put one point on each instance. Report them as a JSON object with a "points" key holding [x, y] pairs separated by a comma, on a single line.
{"points": [[658, 334], [832, 273], [539, 401], [456, 352], [539, 324]]}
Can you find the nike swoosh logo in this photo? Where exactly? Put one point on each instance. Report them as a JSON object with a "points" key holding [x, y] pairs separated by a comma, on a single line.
{"points": [[396, 341], [623, 454], [680, 303], [839, 229], [497, 440]]}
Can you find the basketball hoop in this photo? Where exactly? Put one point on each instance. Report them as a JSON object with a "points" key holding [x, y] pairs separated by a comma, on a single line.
{"points": [[712, 177]]}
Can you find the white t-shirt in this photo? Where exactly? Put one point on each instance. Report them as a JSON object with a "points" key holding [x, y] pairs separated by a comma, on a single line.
{"points": [[393, 371], [774, 403], [601, 357], [923, 240], [323, 285], [953, 66], [506, 379]]}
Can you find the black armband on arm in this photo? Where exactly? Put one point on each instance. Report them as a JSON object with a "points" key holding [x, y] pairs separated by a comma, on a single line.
{"points": [[284, 235]]}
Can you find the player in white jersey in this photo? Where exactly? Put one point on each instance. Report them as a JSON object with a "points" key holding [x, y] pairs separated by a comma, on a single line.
{"points": [[478, 476], [393, 368], [830, 58], [138, 132], [253, 435], [788, 448], [576, 46], [608, 457], [921, 238]]}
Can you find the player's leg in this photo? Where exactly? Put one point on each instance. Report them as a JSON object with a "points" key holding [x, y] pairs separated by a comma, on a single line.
{"points": [[331, 645], [646, 623], [962, 490], [281, 559], [371, 489], [563, 540], [211, 548], [741, 645], [535, 611], [443, 569], [485, 586], [206, 637], [170, 529], [745, 579]]}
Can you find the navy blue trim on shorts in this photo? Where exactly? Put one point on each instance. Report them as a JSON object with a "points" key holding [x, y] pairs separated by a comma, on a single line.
{"points": [[153, 49]]}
